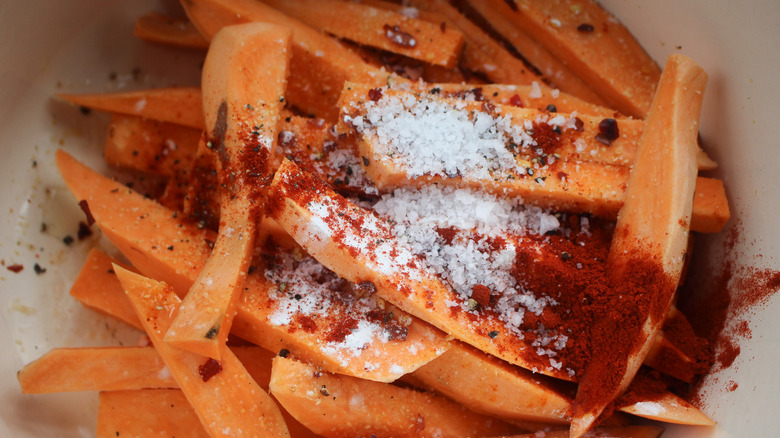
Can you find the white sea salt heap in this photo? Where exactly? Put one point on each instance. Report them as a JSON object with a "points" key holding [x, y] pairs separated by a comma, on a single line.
{"points": [[428, 135], [436, 137], [307, 288], [469, 259]]}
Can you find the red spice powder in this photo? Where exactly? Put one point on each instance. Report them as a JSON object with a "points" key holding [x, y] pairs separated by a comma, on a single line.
{"points": [[209, 369], [718, 299]]}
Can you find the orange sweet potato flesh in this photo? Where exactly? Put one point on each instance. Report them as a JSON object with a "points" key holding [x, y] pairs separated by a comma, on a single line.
{"points": [[150, 146], [140, 227], [340, 406], [654, 225], [166, 247], [376, 27], [244, 78], [358, 246], [162, 29], [119, 368], [608, 58], [490, 386], [556, 72], [319, 66], [226, 398], [176, 105], [162, 413], [96, 287], [481, 53]]}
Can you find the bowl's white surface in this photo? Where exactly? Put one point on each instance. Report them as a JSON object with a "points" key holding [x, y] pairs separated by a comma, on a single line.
{"points": [[55, 46]]}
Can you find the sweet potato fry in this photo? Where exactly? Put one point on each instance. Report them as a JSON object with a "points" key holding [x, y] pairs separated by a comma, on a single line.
{"points": [[360, 247], [162, 29], [148, 145], [339, 406], [481, 53], [552, 69], [319, 65], [487, 385], [176, 105], [162, 413], [134, 224], [383, 29], [244, 78], [119, 368], [651, 237], [593, 44], [226, 398]]}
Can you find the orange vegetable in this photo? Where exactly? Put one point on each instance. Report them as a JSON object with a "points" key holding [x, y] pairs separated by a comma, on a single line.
{"points": [[148, 145], [135, 225], [552, 68], [383, 29], [226, 398], [602, 52], [162, 413], [244, 78], [357, 247], [323, 401], [176, 105], [653, 225]]}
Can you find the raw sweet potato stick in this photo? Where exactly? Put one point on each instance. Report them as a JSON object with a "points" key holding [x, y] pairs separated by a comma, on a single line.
{"points": [[228, 401], [244, 79], [379, 28], [590, 42], [650, 241]]}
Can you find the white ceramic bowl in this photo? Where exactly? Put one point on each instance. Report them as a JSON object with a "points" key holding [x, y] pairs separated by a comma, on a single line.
{"points": [[82, 45]]}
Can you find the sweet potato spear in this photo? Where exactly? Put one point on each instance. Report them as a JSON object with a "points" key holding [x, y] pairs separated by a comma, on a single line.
{"points": [[341, 406], [650, 240], [175, 105], [228, 401], [244, 78], [379, 28], [551, 67], [593, 44]]}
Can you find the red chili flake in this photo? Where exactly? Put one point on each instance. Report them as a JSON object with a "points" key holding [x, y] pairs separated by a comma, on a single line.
{"points": [[209, 369], [397, 36], [511, 4], [515, 100], [15, 268], [481, 294], [608, 131], [375, 94], [488, 107], [585, 27], [84, 231], [85, 208]]}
